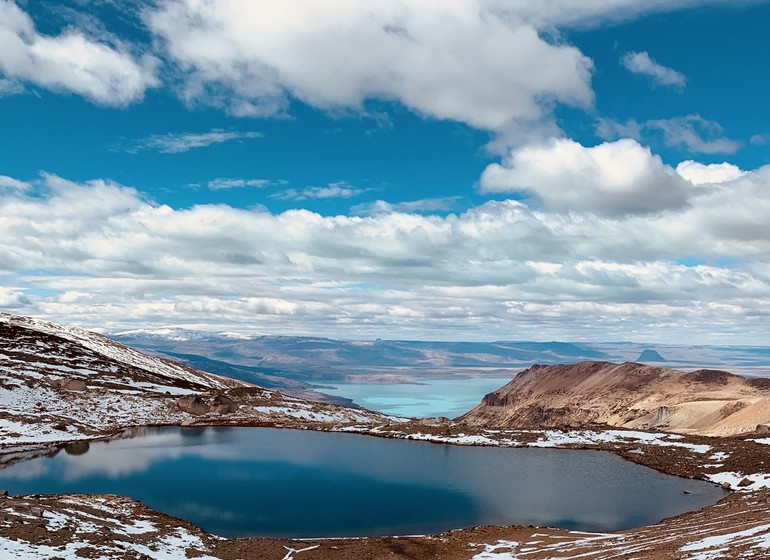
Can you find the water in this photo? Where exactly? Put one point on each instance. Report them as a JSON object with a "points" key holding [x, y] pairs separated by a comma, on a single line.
{"points": [[431, 398], [292, 483]]}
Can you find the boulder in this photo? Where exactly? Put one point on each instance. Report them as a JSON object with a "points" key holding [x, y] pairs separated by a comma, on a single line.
{"points": [[745, 482], [194, 405], [225, 405], [762, 429], [77, 385]]}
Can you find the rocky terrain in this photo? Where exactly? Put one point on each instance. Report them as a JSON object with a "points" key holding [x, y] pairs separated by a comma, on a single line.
{"points": [[629, 395], [78, 526], [61, 387]]}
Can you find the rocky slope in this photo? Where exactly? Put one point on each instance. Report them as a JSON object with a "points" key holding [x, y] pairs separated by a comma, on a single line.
{"points": [[81, 526], [629, 395], [61, 384]]}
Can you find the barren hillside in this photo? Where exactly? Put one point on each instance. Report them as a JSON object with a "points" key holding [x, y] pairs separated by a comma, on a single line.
{"points": [[629, 395], [62, 384]]}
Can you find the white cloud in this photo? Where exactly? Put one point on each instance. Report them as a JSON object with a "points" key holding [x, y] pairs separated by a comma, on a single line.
{"points": [[440, 204], [759, 139], [694, 133], [70, 62], [614, 178], [641, 63], [184, 142], [609, 129], [500, 268], [13, 184], [10, 87], [691, 132], [700, 174], [250, 57], [220, 183], [13, 299], [569, 13], [340, 189]]}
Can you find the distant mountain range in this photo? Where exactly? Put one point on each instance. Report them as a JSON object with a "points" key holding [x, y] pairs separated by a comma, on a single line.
{"points": [[295, 364]]}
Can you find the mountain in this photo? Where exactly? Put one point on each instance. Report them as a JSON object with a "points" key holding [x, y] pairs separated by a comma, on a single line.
{"points": [[628, 395], [649, 355], [62, 383], [314, 360]]}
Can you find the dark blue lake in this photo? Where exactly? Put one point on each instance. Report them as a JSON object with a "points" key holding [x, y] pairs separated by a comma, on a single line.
{"points": [[270, 482]]}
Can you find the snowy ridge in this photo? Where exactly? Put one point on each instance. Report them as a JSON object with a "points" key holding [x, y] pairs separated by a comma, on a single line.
{"points": [[120, 353]]}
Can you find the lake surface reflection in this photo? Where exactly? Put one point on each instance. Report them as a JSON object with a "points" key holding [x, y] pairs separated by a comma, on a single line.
{"points": [[292, 483]]}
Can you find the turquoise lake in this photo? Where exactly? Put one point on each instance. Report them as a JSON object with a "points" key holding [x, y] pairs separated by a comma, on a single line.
{"points": [[431, 398], [294, 483]]}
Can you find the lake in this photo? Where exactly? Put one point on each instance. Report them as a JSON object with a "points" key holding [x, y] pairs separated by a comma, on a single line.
{"points": [[295, 483], [429, 398]]}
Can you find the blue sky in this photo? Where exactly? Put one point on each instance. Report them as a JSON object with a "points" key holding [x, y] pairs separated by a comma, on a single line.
{"points": [[465, 169]]}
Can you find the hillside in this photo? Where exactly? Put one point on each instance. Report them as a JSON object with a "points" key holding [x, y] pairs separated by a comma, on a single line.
{"points": [[628, 395], [62, 384]]}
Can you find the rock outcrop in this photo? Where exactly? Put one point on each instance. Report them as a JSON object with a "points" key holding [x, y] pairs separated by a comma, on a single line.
{"points": [[194, 405], [629, 395]]}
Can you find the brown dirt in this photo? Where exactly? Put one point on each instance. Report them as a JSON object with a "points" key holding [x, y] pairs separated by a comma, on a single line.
{"points": [[632, 396]]}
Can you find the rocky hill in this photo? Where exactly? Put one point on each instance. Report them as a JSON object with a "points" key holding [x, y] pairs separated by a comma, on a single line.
{"points": [[628, 395], [61, 384]]}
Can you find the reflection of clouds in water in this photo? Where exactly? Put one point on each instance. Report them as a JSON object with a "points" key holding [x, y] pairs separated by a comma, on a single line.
{"points": [[120, 458], [32, 469], [195, 510], [114, 463]]}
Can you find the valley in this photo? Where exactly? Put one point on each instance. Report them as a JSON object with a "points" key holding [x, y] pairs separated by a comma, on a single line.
{"points": [[64, 389]]}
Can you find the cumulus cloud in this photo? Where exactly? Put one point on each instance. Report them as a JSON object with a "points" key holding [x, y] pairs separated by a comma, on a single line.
{"points": [[641, 63], [700, 174], [99, 251], [171, 143], [336, 55], [613, 178], [71, 62], [13, 299]]}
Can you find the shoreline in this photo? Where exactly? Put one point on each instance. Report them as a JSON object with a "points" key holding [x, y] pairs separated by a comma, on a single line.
{"points": [[687, 456]]}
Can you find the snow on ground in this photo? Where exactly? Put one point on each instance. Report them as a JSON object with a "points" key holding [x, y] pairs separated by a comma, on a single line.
{"points": [[490, 551], [303, 411], [554, 438], [758, 481], [81, 534], [114, 351]]}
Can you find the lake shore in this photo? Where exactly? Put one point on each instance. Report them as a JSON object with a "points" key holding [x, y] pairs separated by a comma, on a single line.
{"points": [[740, 518]]}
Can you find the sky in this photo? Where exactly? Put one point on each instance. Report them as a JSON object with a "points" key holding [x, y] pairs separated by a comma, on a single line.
{"points": [[402, 169]]}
